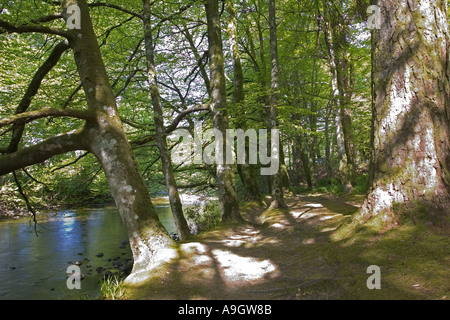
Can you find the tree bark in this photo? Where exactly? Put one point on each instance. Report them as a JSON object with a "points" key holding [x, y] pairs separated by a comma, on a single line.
{"points": [[105, 138], [411, 156], [161, 142], [341, 91], [224, 173], [277, 184], [246, 171], [32, 89]]}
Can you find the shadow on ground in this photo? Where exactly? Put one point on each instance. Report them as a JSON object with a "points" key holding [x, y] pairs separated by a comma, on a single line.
{"points": [[292, 254]]}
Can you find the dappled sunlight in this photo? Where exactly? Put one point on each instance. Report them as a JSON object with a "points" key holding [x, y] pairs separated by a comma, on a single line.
{"points": [[329, 217], [198, 261], [237, 269], [247, 237], [309, 241], [313, 205]]}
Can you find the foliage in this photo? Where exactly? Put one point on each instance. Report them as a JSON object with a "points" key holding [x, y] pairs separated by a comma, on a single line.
{"points": [[203, 216], [181, 60]]}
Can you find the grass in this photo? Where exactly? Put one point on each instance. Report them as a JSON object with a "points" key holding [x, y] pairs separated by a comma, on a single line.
{"points": [[112, 288], [413, 257]]}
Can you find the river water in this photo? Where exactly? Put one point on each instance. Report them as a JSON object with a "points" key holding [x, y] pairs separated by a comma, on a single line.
{"points": [[35, 266]]}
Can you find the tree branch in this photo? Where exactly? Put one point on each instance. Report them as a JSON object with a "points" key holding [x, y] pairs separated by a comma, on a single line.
{"points": [[183, 114], [70, 141], [47, 112], [33, 88], [33, 28], [110, 5]]}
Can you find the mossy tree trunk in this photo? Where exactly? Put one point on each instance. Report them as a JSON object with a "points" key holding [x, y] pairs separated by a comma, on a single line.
{"points": [[103, 136], [106, 139], [335, 30], [246, 171], [218, 103], [411, 142], [277, 179], [161, 142]]}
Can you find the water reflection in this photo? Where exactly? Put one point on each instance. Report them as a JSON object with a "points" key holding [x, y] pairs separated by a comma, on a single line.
{"points": [[34, 267]]}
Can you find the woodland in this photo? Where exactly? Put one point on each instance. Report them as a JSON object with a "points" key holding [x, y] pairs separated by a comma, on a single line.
{"points": [[93, 94]]}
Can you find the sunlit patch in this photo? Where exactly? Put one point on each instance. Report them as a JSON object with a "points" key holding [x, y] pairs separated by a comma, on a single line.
{"points": [[309, 241], [328, 229], [249, 236], [278, 225], [193, 248], [328, 217], [297, 214], [313, 205], [309, 215], [236, 268]]}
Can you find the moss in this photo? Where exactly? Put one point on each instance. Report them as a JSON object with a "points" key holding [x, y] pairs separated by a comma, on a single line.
{"points": [[413, 258]]}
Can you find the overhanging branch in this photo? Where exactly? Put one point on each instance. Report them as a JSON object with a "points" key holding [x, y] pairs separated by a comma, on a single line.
{"points": [[26, 117], [33, 28], [70, 141]]}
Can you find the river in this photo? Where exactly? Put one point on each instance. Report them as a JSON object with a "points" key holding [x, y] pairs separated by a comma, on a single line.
{"points": [[34, 266]]}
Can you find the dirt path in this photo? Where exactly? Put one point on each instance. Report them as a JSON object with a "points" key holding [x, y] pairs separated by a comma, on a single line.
{"points": [[276, 255]]}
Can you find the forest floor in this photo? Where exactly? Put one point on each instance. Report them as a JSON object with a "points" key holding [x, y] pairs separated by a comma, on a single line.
{"points": [[307, 251]]}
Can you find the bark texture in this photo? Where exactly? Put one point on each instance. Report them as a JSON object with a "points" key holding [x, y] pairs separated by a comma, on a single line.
{"points": [[106, 139], [161, 142], [246, 171], [277, 182], [411, 157], [224, 173]]}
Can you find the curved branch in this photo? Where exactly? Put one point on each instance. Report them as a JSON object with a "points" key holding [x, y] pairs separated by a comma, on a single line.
{"points": [[47, 112], [70, 141], [183, 114], [33, 88]]}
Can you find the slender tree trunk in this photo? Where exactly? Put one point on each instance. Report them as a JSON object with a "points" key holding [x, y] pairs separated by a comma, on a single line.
{"points": [[336, 44], [246, 171], [277, 189], [224, 174], [412, 112], [302, 160], [161, 142], [106, 139]]}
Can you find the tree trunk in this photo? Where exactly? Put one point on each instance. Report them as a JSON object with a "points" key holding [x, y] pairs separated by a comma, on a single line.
{"points": [[106, 139], [161, 142], [277, 189], [246, 171], [337, 47], [224, 173], [411, 157]]}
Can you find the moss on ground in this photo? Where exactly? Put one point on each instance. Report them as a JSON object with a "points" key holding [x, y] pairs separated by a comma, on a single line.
{"points": [[319, 253]]}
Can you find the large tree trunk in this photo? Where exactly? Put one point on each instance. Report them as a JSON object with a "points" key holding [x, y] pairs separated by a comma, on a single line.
{"points": [[411, 157], [161, 142], [277, 183], [106, 139], [224, 174]]}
